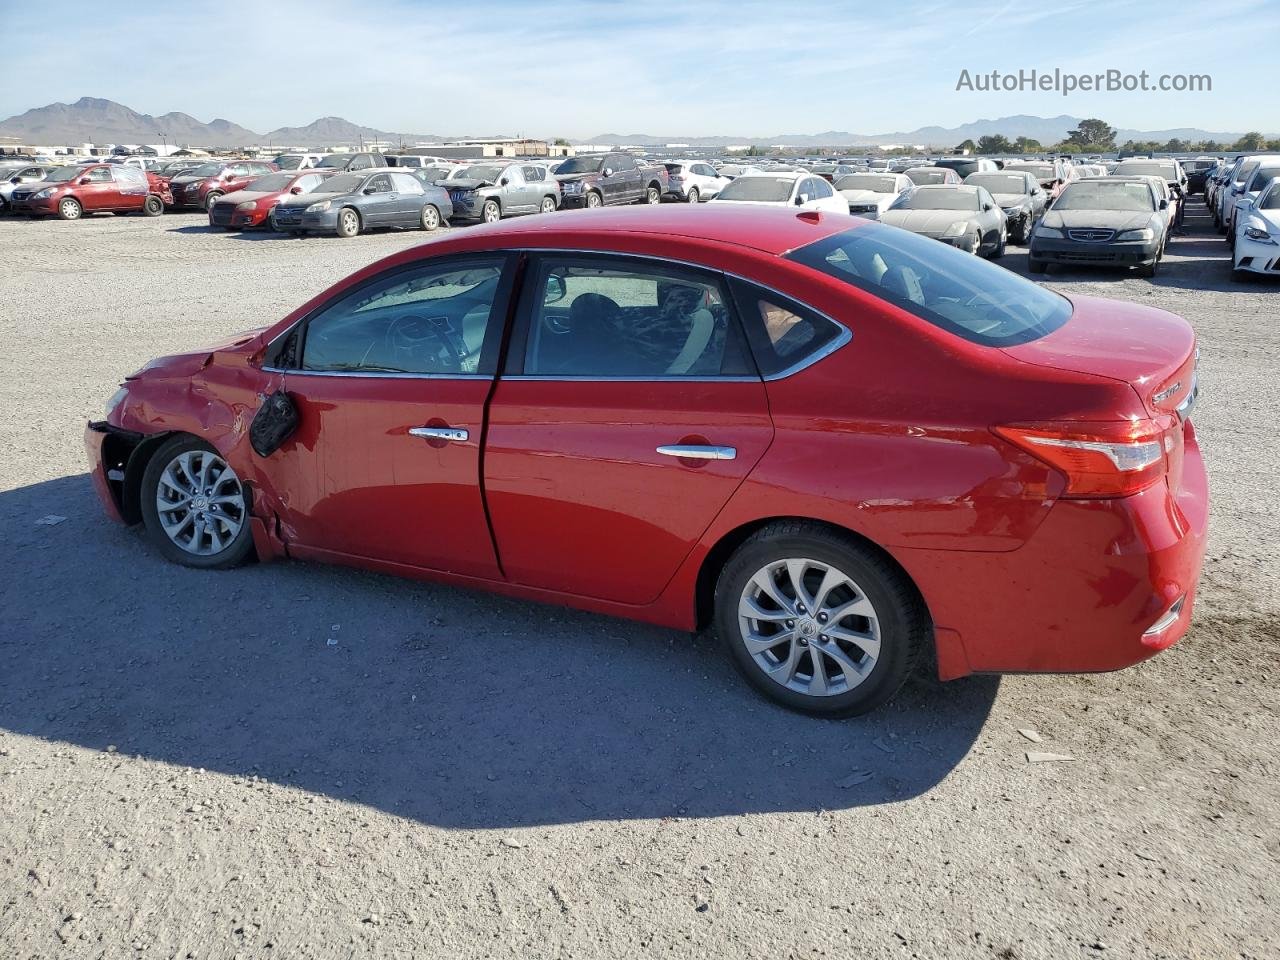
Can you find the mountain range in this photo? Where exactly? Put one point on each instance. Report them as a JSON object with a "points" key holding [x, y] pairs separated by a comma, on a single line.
{"points": [[94, 120]]}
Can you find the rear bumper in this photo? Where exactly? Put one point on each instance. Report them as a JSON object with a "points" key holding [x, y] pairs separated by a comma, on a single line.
{"points": [[1094, 589]]}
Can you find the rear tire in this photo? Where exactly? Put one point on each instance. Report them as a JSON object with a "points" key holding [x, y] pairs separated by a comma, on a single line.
{"points": [[548, 205], [69, 209], [153, 206], [694, 196], [194, 507], [839, 653], [348, 223], [430, 219], [652, 195]]}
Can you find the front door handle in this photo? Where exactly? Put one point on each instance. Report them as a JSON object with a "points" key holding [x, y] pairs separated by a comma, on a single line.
{"points": [[687, 451], [440, 433]]}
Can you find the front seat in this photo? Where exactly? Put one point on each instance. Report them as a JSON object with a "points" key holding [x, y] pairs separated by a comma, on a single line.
{"points": [[594, 337]]}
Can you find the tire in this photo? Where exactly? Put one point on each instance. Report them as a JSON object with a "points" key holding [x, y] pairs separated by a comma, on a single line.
{"points": [[214, 533], [153, 206], [881, 641], [348, 223], [652, 195], [210, 200], [1022, 232], [491, 212], [69, 208], [594, 200], [548, 205], [998, 252], [1148, 270], [694, 196], [1036, 266], [430, 218]]}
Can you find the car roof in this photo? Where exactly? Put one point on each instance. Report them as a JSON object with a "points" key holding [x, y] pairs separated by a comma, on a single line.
{"points": [[770, 230]]}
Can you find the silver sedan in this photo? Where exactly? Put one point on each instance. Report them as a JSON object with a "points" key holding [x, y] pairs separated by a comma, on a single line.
{"points": [[963, 216]]}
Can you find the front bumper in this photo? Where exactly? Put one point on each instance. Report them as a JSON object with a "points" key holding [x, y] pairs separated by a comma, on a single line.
{"points": [[300, 219], [573, 201], [1254, 256], [38, 208], [1094, 589], [1111, 253], [108, 449]]}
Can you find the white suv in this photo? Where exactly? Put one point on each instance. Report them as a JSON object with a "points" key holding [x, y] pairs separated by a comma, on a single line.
{"points": [[693, 180]]}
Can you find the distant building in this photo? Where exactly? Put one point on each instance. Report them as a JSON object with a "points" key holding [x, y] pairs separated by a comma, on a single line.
{"points": [[491, 147]]}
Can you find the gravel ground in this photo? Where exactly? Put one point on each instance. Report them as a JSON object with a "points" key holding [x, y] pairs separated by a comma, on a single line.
{"points": [[189, 768]]}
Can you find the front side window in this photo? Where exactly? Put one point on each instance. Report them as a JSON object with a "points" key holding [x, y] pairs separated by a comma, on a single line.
{"points": [[430, 319], [958, 292], [598, 319]]}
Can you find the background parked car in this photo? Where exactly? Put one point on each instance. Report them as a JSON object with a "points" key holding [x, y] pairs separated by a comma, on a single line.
{"points": [[298, 161], [70, 192], [349, 203], [1053, 175], [964, 166], [351, 162], [1267, 169], [205, 184], [1108, 221], [871, 194], [1257, 244], [251, 206], [492, 190], [1019, 195], [963, 216], [796, 190], [12, 177], [693, 180], [607, 180], [921, 176]]}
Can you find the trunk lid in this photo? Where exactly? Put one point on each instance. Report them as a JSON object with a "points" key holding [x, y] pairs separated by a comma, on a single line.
{"points": [[1152, 350]]}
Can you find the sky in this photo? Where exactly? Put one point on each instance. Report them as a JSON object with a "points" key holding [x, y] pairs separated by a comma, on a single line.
{"points": [[580, 68]]}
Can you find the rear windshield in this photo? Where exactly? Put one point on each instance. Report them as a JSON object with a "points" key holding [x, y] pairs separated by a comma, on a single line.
{"points": [[758, 188], [271, 183], [963, 294]]}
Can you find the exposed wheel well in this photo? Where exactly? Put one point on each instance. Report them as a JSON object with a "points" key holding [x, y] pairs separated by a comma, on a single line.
{"points": [[718, 556], [135, 467]]}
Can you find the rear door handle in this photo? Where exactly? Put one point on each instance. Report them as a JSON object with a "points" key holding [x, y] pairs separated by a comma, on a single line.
{"points": [[687, 451], [440, 433]]}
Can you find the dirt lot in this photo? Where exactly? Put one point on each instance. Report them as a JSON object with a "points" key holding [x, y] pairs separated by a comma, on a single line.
{"points": [[188, 767]]}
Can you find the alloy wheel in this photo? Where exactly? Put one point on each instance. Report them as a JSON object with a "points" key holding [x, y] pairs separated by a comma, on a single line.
{"points": [[69, 209], [200, 503], [809, 627]]}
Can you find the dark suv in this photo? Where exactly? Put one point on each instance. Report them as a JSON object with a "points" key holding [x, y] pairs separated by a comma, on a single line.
{"points": [[609, 179]]}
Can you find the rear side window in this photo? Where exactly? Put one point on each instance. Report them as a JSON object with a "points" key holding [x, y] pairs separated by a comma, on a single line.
{"points": [[963, 294], [784, 335]]}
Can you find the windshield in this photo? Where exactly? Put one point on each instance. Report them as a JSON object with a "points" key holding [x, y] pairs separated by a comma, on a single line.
{"points": [[1164, 171], [956, 291], [342, 183], [758, 188], [204, 170], [1106, 196], [923, 175], [271, 183], [998, 182], [483, 171], [64, 174], [580, 165], [952, 199], [868, 181], [335, 161], [1271, 201], [287, 162]]}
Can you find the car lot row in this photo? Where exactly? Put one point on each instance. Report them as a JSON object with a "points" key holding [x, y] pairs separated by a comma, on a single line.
{"points": [[1109, 215]]}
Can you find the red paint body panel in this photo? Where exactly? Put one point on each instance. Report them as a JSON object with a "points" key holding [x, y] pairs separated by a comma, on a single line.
{"points": [[889, 437]]}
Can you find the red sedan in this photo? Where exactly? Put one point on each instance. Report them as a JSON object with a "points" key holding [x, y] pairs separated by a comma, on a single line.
{"points": [[251, 205], [841, 444]]}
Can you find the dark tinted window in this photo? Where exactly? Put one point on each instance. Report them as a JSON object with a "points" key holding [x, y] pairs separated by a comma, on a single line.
{"points": [[597, 317], [430, 319], [956, 291]]}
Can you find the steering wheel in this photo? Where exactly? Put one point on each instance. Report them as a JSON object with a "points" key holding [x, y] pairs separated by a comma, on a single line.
{"points": [[431, 339]]}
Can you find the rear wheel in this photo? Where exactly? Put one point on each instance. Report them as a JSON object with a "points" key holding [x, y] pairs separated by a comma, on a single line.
{"points": [[548, 205], [348, 223], [652, 195], [69, 209], [694, 196], [194, 507], [153, 206], [491, 212], [818, 622], [430, 218]]}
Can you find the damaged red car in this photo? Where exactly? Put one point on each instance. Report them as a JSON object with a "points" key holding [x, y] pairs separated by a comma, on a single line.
{"points": [[846, 447]]}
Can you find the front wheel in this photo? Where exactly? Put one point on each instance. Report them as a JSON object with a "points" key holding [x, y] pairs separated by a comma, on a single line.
{"points": [[594, 200], [1149, 270], [430, 218], [491, 212], [999, 251], [69, 209], [194, 507], [1036, 266], [210, 200], [348, 223], [693, 195], [817, 621]]}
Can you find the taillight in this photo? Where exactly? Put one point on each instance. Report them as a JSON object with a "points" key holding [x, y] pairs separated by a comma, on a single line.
{"points": [[1100, 459]]}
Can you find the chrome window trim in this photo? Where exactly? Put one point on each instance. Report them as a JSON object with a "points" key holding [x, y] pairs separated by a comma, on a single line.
{"points": [[840, 340], [377, 374]]}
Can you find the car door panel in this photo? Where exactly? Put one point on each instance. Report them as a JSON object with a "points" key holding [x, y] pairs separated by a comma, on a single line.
{"points": [[581, 500]]}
